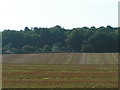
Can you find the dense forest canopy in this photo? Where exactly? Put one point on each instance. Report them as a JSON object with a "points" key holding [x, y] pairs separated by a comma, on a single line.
{"points": [[58, 39]]}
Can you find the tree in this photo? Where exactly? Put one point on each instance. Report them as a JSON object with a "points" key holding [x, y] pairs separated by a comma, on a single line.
{"points": [[56, 47], [46, 48], [103, 39], [28, 48], [26, 29], [104, 42], [87, 48], [75, 39], [8, 46]]}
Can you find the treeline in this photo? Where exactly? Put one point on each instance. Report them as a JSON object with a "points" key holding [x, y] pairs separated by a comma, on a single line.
{"points": [[58, 39]]}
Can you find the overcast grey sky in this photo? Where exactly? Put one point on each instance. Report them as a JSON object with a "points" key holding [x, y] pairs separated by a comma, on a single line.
{"points": [[17, 14]]}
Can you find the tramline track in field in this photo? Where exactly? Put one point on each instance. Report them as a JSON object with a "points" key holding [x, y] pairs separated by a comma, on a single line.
{"points": [[63, 58]]}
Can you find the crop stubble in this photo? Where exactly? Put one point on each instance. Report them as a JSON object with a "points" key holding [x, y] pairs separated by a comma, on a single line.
{"points": [[61, 70]]}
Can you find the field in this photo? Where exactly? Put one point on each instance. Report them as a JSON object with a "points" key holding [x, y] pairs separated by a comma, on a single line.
{"points": [[60, 70], [63, 58]]}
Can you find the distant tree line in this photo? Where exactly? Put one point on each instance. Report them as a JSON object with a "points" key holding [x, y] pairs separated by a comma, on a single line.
{"points": [[58, 39]]}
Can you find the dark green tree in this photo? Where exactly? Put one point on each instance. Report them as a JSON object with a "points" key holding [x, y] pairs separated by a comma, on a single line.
{"points": [[28, 48], [46, 48]]}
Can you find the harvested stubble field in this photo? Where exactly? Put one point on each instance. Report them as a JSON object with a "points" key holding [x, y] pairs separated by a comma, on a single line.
{"points": [[60, 70], [62, 58]]}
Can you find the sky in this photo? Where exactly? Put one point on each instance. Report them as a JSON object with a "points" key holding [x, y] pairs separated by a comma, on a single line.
{"points": [[17, 14]]}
